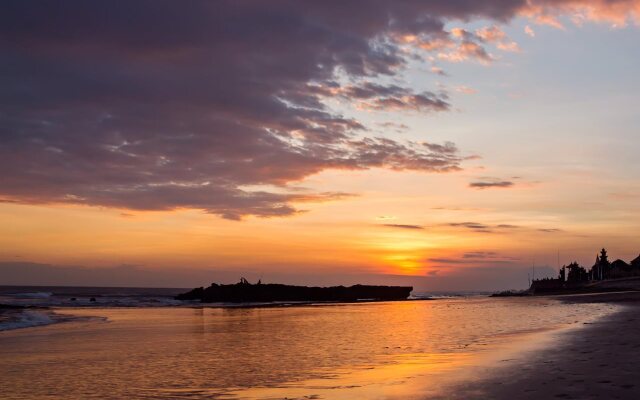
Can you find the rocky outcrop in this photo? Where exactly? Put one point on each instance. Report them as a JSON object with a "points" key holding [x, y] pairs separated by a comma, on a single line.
{"points": [[246, 292]]}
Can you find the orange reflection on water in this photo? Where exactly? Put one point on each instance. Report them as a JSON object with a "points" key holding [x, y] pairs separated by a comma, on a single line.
{"points": [[409, 349], [400, 377]]}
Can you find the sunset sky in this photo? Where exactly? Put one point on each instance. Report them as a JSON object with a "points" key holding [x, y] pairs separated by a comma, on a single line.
{"points": [[446, 144]]}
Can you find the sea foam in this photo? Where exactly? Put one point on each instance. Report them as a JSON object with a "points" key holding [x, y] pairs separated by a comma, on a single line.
{"points": [[17, 319]]}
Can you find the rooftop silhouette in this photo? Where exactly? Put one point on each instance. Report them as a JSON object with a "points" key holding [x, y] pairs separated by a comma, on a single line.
{"points": [[574, 277]]}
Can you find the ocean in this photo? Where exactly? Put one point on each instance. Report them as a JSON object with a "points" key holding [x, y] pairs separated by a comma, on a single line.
{"points": [[140, 343]]}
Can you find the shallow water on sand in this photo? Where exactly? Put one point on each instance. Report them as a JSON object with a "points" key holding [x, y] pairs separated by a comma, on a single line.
{"points": [[364, 351]]}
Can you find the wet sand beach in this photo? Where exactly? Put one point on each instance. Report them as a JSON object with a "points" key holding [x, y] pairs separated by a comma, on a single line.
{"points": [[395, 350], [600, 361]]}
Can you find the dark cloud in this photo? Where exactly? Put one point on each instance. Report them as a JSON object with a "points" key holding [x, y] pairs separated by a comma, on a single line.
{"points": [[475, 258], [159, 105], [499, 228], [403, 226], [442, 260], [487, 256], [467, 261], [479, 227], [471, 225], [393, 97], [491, 184], [479, 254]]}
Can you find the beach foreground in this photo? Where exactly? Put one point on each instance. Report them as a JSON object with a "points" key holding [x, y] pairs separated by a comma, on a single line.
{"points": [[599, 361], [454, 348]]}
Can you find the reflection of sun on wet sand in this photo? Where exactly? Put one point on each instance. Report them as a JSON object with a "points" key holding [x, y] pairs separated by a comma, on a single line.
{"points": [[600, 361], [401, 377], [416, 376], [388, 350]]}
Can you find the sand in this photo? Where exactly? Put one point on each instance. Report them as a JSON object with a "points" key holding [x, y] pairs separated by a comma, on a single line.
{"points": [[599, 361]]}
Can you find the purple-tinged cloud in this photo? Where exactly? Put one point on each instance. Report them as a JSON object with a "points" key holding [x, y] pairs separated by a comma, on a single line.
{"points": [[480, 254], [469, 261], [491, 184], [470, 225], [404, 226], [483, 228], [161, 105]]}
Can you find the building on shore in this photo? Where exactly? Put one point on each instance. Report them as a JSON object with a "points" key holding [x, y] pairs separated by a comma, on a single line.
{"points": [[574, 276], [600, 270]]}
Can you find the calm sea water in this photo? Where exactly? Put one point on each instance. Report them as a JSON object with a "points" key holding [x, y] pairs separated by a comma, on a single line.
{"points": [[350, 351]]}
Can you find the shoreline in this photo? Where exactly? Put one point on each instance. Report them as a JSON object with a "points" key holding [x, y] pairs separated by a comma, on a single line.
{"points": [[598, 360]]}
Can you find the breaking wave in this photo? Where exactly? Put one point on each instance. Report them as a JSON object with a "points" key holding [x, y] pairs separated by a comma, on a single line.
{"points": [[16, 319]]}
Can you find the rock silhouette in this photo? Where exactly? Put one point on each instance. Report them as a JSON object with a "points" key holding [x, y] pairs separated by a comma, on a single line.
{"points": [[244, 291]]}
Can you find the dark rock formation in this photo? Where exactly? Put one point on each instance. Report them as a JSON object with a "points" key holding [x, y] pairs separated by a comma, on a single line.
{"points": [[246, 292], [11, 307], [511, 293]]}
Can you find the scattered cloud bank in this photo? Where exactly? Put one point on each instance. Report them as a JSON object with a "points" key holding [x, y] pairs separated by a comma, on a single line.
{"points": [[475, 258], [392, 98], [403, 226], [490, 184], [160, 105], [548, 12], [495, 228], [550, 230], [477, 227]]}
